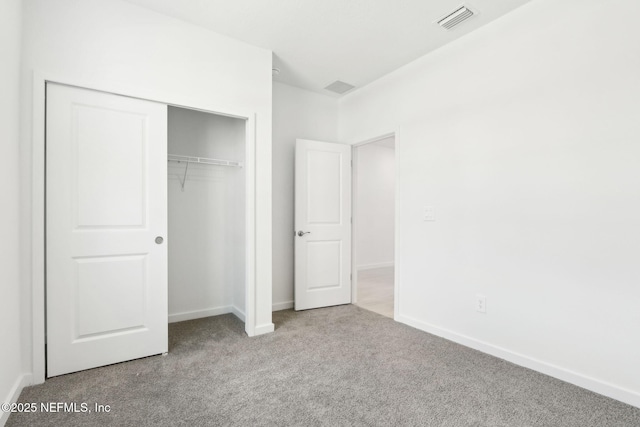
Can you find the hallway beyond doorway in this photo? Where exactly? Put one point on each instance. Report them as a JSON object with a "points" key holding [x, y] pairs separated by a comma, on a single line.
{"points": [[375, 290]]}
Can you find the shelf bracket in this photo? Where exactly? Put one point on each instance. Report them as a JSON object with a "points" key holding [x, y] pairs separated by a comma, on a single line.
{"points": [[184, 178]]}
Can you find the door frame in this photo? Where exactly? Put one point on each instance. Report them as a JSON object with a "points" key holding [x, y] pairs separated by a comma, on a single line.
{"points": [[396, 231], [37, 266]]}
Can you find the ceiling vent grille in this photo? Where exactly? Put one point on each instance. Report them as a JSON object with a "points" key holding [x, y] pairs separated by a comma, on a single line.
{"points": [[456, 17], [339, 87]]}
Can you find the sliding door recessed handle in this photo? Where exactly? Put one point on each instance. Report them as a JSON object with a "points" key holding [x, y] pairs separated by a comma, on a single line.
{"points": [[302, 233]]}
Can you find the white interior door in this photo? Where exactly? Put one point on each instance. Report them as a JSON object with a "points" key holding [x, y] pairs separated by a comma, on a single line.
{"points": [[323, 224], [106, 220]]}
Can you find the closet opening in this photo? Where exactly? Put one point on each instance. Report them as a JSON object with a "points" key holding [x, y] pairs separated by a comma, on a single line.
{"points": [[206, 214], [146, 215]]}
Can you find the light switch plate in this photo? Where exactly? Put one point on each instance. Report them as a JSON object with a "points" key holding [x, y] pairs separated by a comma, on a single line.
{"points": [[429, 214], [481, 303]]}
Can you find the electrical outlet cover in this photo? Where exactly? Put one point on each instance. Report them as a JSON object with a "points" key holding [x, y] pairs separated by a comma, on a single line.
{"points": [[429, 213]]}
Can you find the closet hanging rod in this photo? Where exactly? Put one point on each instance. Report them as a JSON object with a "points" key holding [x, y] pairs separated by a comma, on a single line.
{"points": [[202, 160]]}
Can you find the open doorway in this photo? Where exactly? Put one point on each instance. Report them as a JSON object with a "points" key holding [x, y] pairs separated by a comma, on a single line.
{"points": [[374, 225]]}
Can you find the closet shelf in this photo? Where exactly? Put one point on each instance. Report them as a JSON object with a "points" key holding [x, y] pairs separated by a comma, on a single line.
{"points": [[187, 160], [203, 160]]}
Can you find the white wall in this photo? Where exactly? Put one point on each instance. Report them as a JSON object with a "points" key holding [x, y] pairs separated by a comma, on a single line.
{"points": [[115, 46], [297, 113], [206, 217], [10, 354], [375, 204], [524, 137]]}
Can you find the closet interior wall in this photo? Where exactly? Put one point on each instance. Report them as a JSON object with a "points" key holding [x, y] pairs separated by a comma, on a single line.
{"points": [[206, 217]]}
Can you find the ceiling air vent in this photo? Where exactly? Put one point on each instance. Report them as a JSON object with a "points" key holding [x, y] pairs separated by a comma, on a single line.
{"points": [[339, 87], [456, 17]]}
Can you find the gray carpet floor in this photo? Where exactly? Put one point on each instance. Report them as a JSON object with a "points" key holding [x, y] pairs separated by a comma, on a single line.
{"points": [[337, 366]]}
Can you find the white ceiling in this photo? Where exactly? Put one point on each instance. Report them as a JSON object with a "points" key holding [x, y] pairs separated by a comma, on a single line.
{"points": [[316, 42]]}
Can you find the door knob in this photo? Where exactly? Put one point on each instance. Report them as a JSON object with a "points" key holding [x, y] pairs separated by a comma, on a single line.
{"points": [[159, 240], [302, 233]]}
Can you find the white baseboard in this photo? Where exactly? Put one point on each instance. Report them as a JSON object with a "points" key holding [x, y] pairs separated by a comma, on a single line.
{"points": [[597, 386], [21, 382], [198, 314], [282, 306], [238, 313], [264, 329], [377, 265], [207, 312]]}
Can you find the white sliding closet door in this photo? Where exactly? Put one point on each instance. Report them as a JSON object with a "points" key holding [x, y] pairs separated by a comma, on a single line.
{"points": [[106, 224]]}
